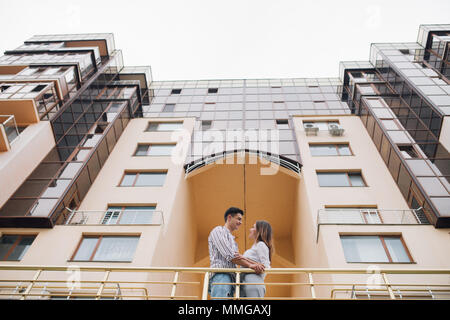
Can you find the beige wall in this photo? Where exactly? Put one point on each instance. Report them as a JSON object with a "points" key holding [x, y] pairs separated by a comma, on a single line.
{"points": [[105, 190], [25, 154], [181, 240], [427, 245]]}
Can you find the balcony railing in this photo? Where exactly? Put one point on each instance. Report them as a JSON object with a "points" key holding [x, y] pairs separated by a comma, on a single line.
{"points": [[8, 123], [370, 216], [116, 217], [139, 283]]}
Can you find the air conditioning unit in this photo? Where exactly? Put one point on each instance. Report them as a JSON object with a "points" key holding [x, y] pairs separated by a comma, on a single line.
{"points": [[335, 129], [311, 129]]}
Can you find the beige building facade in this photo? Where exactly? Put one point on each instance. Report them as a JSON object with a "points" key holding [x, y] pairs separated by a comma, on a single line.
{"points": [[113, 192]]}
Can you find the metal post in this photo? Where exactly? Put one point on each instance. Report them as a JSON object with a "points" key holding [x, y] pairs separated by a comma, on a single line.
{"points": [[30, 286], [72, 212], [174, 286], [311, 283], [205, 286], [238, 287], [102, 286], [388, 286]]}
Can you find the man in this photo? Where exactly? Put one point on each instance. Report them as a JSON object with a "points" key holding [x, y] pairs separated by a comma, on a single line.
{"points": [[222, 254]]}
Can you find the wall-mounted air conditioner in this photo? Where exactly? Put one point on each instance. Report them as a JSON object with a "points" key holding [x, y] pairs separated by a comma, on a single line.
{"points": [[335, 129], [311, 129]]}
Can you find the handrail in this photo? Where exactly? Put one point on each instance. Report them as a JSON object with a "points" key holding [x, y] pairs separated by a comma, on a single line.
{"points": [[369, 216], [274, 158], [192, 282], [115, 217], [9, 122]]}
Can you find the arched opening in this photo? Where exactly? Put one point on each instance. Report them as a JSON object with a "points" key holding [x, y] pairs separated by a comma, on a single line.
{"points": [[256, 183]]}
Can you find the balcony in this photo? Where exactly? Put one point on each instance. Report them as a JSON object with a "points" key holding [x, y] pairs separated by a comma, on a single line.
{"points": [[8, 132], [149, 283], [370, 217], [116, 217], [28, 102]]}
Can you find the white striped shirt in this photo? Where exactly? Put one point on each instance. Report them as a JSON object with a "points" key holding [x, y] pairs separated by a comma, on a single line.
{"points": [[222, 248]]}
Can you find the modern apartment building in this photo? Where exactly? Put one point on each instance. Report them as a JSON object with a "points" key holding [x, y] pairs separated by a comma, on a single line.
{"points": [[110, 182]]}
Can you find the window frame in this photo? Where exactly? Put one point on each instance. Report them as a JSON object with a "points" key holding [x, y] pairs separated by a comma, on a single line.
{"points": [[168, 108], [204, 125], [122, 210], [160, 122], [384, 246], [136, 178], [15, 244], [282, 122], [97, 245], [364, 210], [332, 144], [149, 145], [347, 173]]}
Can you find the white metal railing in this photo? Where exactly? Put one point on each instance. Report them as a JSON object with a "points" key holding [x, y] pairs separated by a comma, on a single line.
{"points": [[144, 283], [276, 159], [8, 122], [115, 217], [370, 216]]}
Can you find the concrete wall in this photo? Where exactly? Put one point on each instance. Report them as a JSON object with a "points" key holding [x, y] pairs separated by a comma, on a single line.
{"points": [[26, 152], [427, 245]]}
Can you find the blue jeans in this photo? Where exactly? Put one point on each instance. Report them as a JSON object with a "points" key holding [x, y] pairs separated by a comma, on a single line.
{"points": [[223, 290]]}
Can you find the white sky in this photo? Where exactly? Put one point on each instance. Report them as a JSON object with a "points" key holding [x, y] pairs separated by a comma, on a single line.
{"points": [[229, 39]]}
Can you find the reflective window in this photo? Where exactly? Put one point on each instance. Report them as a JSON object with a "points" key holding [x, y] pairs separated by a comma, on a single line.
{"points": [[107, 248], [340, 179], [374, 249], [143, 179], [164, 126], [154, 149], [169, 107], [330, 150], [129, 215], [14, 247]]}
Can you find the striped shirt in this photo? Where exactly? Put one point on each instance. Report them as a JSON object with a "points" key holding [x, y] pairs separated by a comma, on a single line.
{"points": [[222, 248]]}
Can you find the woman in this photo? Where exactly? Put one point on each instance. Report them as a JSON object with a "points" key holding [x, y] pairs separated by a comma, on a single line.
{"points": [[261, 251]]}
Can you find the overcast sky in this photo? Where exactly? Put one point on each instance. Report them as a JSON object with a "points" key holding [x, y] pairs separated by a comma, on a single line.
{"points": [[229, 39]]}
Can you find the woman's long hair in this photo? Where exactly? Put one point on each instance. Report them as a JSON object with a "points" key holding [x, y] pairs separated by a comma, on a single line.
{"points": [[264, 234]]}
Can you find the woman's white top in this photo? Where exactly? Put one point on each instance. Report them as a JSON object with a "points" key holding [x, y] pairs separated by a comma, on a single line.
{"points": [[259, 252]]}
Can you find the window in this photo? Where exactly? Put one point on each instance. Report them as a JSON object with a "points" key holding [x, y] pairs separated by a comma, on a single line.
{"points": [[357, 75], [340, 179], [164, 126], [408, 151], [38, 88], [322, 125], [169, 107], [154, 150], [282, 124], [330, 150], [375, 249], [129, 215], [175, 91], [106, 248], [143, 179], [360, 215], [206, 124], [14, 247], [213, 90]]}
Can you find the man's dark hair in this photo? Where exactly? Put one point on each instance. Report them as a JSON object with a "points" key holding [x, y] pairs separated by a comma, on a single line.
{"points": [[233, 211]]}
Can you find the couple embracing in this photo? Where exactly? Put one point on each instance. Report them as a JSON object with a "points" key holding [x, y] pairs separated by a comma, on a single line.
{"points": [[224, 253]]}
